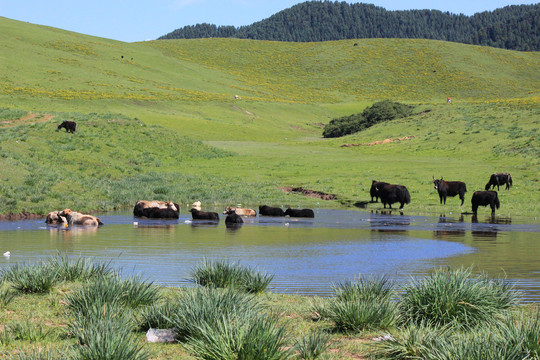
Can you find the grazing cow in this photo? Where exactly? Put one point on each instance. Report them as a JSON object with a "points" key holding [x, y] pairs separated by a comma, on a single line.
{"points": [[156, 209], [304, 213], [70, 126], [241, 211], [499, 179], [373, 191], [390, 194], [485, 198], [270, 211], [76, 218], [450, 188], [203, 215], [54, 219], [232, 217]]}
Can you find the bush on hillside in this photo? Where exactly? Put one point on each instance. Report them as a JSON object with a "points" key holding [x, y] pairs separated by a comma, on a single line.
{"points": [[379, 112]]}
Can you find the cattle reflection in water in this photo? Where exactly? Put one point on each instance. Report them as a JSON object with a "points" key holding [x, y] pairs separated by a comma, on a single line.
{"points": [[449, 228], [385, 222]]}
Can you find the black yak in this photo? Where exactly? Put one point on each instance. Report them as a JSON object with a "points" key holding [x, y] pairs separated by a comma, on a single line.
{"points": [[270, 211], [156, 209], [304, 213], [233, 217], [499, 179], [203, 215], [485, 198], [373, 191], [70, 126], [450, 188], [390, 194]]}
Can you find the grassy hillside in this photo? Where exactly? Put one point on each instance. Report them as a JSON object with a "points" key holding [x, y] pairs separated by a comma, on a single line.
{"points": [[143, 108]]}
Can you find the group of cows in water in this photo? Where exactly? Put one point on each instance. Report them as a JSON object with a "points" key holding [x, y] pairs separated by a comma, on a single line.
{"points": [[388, 193]]}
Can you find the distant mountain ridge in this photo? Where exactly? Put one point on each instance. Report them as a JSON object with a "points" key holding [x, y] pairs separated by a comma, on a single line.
{"points": [[515, 27]]}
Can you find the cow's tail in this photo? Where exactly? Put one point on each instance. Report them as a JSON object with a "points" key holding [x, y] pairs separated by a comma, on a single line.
{"points": [[464, 187], [406, 196], [509, 180], [497, 203]]}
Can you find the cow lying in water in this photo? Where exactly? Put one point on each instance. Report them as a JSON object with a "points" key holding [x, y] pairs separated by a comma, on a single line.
{"points": [[304, 213], [390, 194], [450, 188], [270, 211], [156, 209], [240, 211], [485, 198], [76, 218], [204, 215], [232, 217], [53, 218]]}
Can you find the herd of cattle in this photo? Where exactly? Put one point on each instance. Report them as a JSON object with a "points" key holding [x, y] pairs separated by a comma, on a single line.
{"points": [[388, 193]]}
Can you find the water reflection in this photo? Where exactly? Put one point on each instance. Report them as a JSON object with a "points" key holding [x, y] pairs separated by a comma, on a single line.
{"points": [[384, 222], [449, 228]]}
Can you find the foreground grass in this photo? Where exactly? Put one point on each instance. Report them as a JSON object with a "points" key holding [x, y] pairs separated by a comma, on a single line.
{"points": [[106, 317]]}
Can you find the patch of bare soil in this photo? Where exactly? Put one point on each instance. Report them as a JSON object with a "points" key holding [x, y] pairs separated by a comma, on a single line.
{"points": [[31, 118], [380, 142], [311, 193], [20, 216]]}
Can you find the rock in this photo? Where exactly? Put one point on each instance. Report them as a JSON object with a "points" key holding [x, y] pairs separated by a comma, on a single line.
{"points": [[161, 335]]}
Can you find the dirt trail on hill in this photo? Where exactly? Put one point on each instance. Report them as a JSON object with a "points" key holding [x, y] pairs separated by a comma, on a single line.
{"points": [[385, 141], [31, 118]]}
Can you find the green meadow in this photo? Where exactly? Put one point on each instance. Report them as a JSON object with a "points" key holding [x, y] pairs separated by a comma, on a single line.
{"points": [[159, 120]]}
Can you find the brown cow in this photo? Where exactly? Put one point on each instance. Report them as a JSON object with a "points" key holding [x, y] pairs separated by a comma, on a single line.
{"points": [[54, 219], [76, 218], [240, 211]]}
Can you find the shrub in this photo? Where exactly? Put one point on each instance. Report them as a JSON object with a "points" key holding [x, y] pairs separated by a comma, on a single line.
{"points": [[360, 305], [222, 274], [456, 296], [37, 279], [379, 112], [313, 345]]}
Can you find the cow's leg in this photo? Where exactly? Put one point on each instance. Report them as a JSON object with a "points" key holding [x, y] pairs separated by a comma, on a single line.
{"points": [[474, 208], [492, 208], [440, 198]]}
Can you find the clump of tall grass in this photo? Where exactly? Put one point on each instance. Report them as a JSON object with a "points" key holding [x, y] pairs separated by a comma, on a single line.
{"points": [[456, 296], [223, 274], [362, 304], [28, 331], [523, 333], [156, 315], [6, 296], [106, 333], [132, 292], [78, 269], [38, 278], [42, 354], [313, 346], [226, 324]]}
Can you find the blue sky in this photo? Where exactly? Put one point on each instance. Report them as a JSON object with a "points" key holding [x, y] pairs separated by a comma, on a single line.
{"points": [[139, 20]]}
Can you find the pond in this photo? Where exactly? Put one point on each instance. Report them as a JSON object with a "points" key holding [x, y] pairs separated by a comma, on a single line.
{"points": [[306, 256]]}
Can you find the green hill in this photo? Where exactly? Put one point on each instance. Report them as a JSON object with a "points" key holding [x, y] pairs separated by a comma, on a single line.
{"points": [[144, 108]]}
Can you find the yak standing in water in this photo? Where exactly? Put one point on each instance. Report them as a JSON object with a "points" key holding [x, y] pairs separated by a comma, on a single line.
{"points": [[485, 198], [450, 188], [390, 194], [499, 179], [373, 191]]}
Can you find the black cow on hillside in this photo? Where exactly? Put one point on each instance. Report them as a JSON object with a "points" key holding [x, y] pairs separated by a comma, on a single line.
{"points": [[390, 194], [70, 126], [499, 179], [204, 215], [270, 211], [450, 188], [485, 198], [373, 191], [303, 213]]}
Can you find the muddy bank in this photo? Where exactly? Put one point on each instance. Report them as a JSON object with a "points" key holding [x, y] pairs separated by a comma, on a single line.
{"points": [[311, 193], [20, 216]]}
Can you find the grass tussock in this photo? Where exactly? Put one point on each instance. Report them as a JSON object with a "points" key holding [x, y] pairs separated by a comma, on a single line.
{"points": [[223, 274], [37, 279], [456, 297], [312, 346]]}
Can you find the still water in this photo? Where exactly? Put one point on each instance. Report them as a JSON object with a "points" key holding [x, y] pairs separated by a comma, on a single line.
{"points": [[306, 256]]}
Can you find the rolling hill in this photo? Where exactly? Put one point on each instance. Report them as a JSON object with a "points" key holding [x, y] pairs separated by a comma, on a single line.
{"points": [[245, 150]]}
